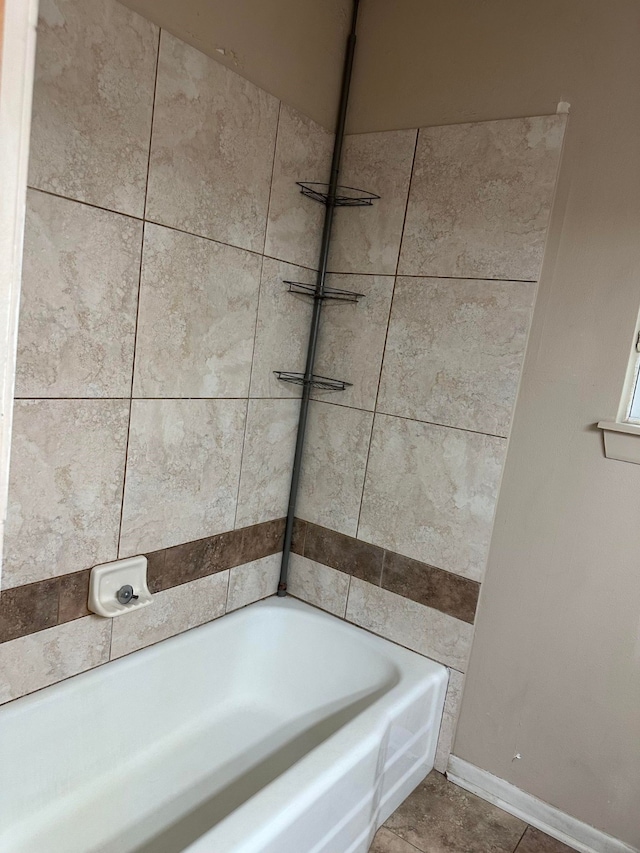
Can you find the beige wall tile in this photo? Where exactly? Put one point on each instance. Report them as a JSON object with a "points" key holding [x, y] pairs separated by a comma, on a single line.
{"points": [[430, 493], [367, 239], [282, 330], [197, 317], [317, 584], [303, 153], [454, 351], [480, 200], [78, 300], [183, 469], [32, 662], [449, 720], [171, 612], [334, 465], [253, 581], [352, 337], [212, 149], [65, 490], [267, 459], [420, 628], [92, 102]]}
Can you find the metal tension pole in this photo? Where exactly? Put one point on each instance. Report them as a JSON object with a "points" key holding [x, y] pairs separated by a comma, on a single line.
{"points": [[318, 298]]}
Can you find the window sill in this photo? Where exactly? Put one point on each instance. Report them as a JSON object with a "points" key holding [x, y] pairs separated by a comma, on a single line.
{"points": [[621, 441]]}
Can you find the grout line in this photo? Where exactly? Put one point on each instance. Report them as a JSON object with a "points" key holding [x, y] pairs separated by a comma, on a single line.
{"points": [[515, 849], [86, 203], [443, 426], [346, 599], [178, 230], [406, 418], [244, 442], [137, 320], [386, 336], [110, 642], [273, 169], [434, 276], [408, 843], [153, 114], [253, 353], [384, 560]]}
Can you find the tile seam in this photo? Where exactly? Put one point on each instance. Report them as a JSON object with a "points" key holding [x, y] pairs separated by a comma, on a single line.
{"points": [[386, 335]]}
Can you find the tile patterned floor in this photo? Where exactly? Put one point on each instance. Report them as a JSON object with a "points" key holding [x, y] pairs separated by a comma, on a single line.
{"points": [[439, 817]]}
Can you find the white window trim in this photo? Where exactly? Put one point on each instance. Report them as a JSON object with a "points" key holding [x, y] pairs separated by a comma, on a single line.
{"points": [[622, 436]]}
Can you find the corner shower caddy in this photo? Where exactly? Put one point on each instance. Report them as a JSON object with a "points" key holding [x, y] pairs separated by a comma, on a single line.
{"points": [[344, 197], [331, 195]]}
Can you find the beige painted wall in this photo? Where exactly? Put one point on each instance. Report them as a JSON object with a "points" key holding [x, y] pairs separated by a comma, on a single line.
{"points": [[555, 669], [291, 48]]}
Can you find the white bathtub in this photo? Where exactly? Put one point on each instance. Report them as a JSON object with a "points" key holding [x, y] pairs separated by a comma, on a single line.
{"points": [[277, 729]]}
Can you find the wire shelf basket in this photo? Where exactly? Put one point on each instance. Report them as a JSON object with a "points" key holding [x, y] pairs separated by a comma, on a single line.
{"points": [[331, 293], [345, 196], [323, 383]]}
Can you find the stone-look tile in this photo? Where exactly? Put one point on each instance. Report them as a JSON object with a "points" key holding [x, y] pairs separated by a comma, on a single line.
{"points": [[534, 841], [266, 460], [428, 585], [413, 625], [262, 540], [318, 585], [481, 197], [30, 663], [74, 596], [334, 466], [439, 817], [352, 337], [253, 581], [367, 239], [197, 317], [387, 842], [454, 352], [27, 609], [171, 612], [212, 148], [282, 330], [65, 487], [78, 300], [349, 555], [430, 493], [449, 720], [183, 469], [92, 103], [299, 535], [303, 153], [193, 560]]}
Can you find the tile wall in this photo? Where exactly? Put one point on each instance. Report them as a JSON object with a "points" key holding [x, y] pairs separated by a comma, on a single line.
{"points": [[162, 217], [402, 470]]}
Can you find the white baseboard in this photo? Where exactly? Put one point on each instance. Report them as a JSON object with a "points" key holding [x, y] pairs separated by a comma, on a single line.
{"points": [[544, 817]]}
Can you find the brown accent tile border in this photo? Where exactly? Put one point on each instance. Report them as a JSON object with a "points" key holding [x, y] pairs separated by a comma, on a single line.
{"points": [[444, 591], [449, 593], [27, 609], [352, 556], [47, 603]]}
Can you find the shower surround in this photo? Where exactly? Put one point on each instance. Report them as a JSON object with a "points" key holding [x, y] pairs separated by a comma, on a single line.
{"points": [[161, 223]]}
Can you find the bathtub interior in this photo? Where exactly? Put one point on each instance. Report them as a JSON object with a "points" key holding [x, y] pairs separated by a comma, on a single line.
{"points": [[148, 753]]}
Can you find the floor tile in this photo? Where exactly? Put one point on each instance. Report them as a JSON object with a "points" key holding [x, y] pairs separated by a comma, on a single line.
{"points": [[442, 818], [387, 842], [534, 841]]}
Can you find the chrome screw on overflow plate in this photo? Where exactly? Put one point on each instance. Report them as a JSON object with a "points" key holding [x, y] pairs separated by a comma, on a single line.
{"points": [[125, 594]]}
